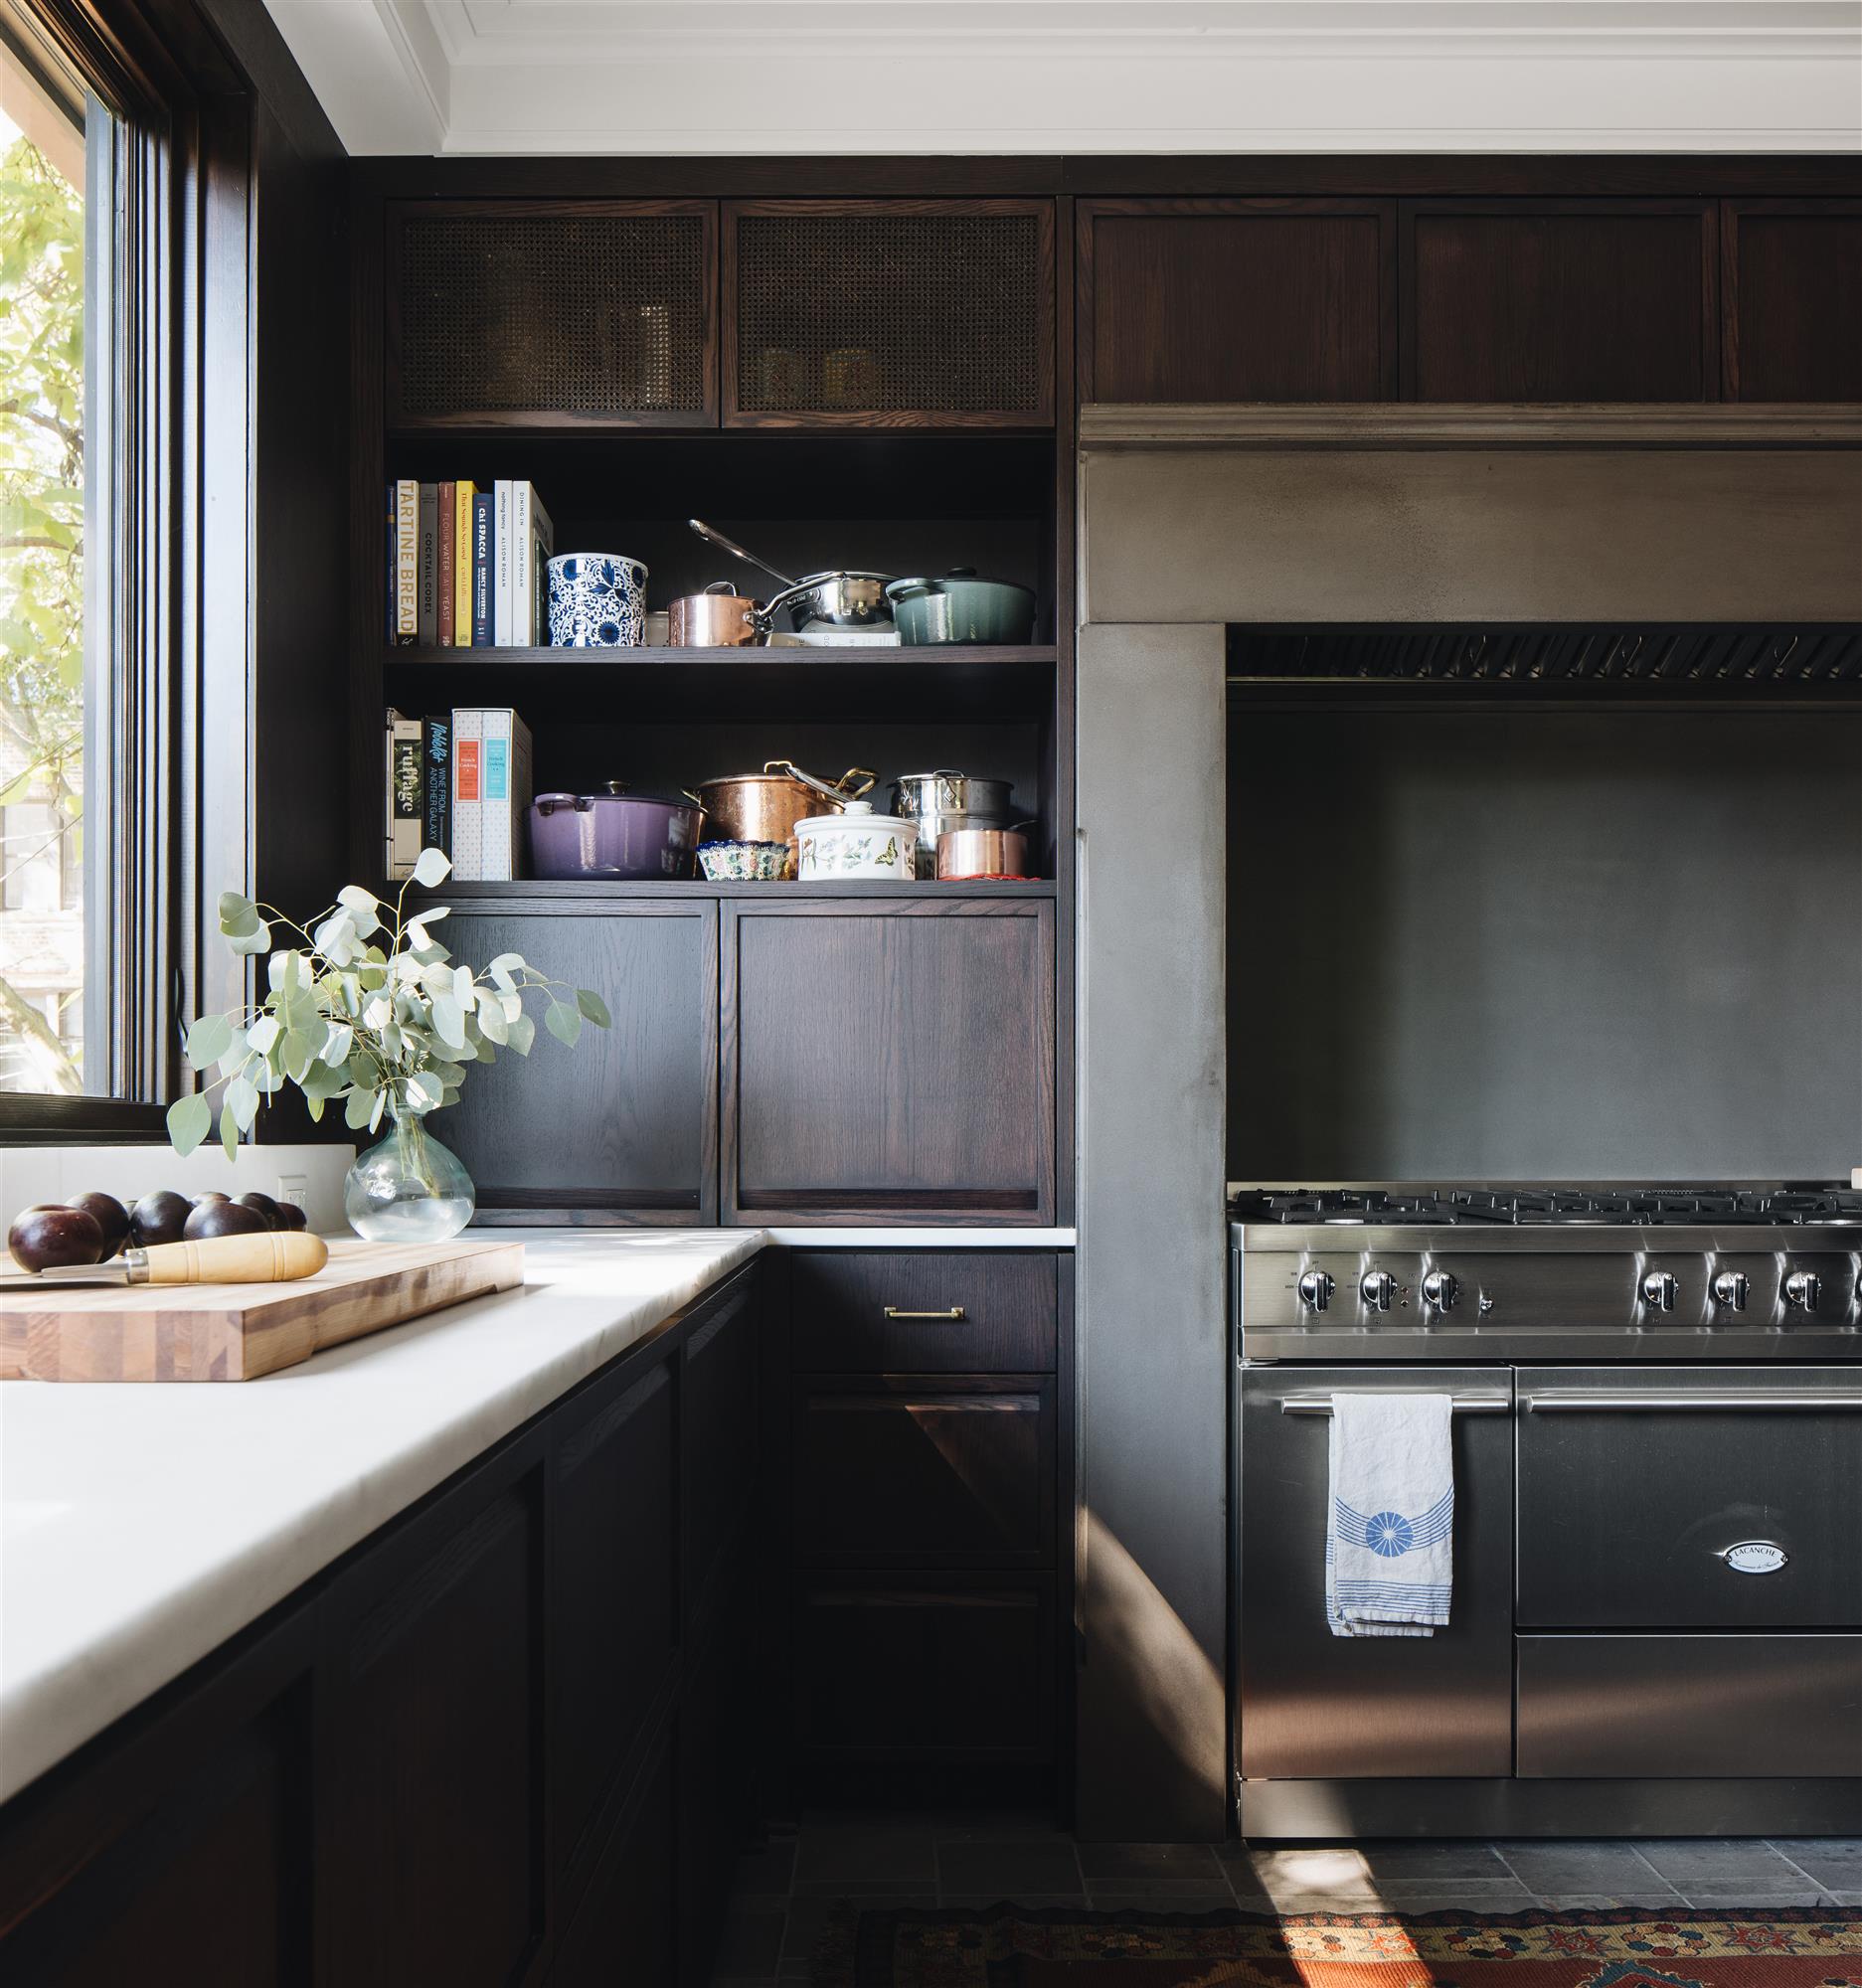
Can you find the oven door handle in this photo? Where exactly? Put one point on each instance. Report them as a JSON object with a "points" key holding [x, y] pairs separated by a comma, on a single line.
{"points": [[1463, 1405], [1604, 1403]]}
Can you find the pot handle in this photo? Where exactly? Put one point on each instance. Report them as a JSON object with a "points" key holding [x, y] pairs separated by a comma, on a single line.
{"points": [[838, 791], [719, 540]]}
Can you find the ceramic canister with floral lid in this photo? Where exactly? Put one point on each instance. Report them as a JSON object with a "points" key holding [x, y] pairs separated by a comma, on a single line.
{"points": [[856, 843]]}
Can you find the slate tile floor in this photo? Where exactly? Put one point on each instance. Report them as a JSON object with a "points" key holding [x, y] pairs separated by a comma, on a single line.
{"points": [[785, 1889]]}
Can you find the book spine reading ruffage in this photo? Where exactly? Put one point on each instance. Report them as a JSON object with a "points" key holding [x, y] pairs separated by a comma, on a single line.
{"points": [[428, 591], [406, 808], [406, 560], [542, 545], [467, 787], [501, 637], [436, 772], [481, 569], [447, 536], [463, 494]]}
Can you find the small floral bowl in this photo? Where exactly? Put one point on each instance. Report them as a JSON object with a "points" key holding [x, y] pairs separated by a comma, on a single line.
{"points": [[596, 600], [744, 862]]}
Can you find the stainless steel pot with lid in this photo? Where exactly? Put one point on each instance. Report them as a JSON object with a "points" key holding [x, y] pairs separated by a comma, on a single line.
{"points": [[946, 798]]}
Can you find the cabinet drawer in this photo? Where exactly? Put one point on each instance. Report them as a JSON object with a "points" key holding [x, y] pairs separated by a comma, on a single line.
{"points": [[926, 1668], [840, 1301], [1693, 1707], [901, 1473]]}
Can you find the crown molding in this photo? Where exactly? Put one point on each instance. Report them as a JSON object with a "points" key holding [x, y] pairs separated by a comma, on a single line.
{"points": [[785, 77]]}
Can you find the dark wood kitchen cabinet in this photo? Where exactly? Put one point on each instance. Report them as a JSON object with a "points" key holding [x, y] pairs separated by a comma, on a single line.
{"points": [[1237, 299], [497, 1742], [887, 1062], [1523, 300], [624, 1127], [928, 1442], [1791, 278]]}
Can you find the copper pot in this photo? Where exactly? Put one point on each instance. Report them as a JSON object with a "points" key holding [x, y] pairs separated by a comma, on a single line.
{"points": [[766, 806], [717, 618], [981, 852]]}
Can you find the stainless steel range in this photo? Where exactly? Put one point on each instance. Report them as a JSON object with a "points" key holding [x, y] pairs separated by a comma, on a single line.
{"points": [[1657, 1610]]}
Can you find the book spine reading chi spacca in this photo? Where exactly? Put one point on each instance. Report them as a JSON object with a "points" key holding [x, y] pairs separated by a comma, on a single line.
{"points": [[501, 637], [428, 608], [467, 790], [505, 795], [407, 562], [436, 772], [463, 493], [445, 511], [483, 525], [406, 808]]}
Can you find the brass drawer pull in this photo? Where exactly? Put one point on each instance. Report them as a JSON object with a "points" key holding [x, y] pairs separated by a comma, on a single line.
{"points": [[955, 1312]]}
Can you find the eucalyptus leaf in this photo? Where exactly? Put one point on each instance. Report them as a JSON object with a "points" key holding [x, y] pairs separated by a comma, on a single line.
{"points": [[229, 1133], [363, 907], [450, 1096], [425, 1089], [356, 1108], [209, 1040], [314, 1106], [336, 1043], [299, 1047], [492, 1021], [263, 1033], [431, 867], [259, 940], [374, 1112], [448, 1021], [523, 1034], [190, 1119], [592, 1006], [562, 1019], [239, 916], [505, 963], [242, 1100]]}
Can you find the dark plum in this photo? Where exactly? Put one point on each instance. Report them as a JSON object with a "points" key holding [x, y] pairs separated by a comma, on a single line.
{"points": [[290, 1216], [208, 1196], [52, 1237], [159, 1218], [222, 1218], [260, 1204], [110, 1215]]}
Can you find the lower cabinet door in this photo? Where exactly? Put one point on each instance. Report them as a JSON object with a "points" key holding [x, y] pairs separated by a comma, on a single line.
{"points": [[1692, 1707], [624, 1933], [918, 1470], [714, 1752], [429, 1854], [925, 1667], [1314, 1706]]}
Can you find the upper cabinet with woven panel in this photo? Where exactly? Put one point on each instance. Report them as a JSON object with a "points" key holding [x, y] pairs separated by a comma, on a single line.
{"points": [[551, 315], [889, 313]]}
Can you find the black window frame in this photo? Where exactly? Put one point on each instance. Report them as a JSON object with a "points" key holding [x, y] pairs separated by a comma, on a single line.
{"points": [[153, 169]]}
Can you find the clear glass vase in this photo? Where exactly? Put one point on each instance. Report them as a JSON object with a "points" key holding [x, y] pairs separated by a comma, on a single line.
{"points": [[408, 1188]]}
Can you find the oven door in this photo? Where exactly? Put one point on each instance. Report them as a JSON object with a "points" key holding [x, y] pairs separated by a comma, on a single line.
{"points": [[1690, 1498], [1314, 1706]]}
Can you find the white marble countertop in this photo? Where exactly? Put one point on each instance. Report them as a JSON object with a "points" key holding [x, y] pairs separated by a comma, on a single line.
{"points": [[141, 1525]]}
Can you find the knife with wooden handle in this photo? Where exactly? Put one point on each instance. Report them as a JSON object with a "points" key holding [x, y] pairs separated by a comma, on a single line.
{"points": [[277, 1256]]}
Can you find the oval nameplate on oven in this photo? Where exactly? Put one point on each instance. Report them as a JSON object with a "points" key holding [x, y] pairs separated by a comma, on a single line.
{"points": [[1755, 1556]]}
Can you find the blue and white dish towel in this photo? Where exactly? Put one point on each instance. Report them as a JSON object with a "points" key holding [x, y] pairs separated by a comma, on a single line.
{"points": [[1390, 1542]]}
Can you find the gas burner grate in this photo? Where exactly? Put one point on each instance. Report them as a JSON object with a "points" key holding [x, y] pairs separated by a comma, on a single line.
{"points": [[1551, 1207]]}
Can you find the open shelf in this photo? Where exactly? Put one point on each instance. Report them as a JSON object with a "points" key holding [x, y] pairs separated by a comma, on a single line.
{"points": [[536, 889], [1014, 684]]}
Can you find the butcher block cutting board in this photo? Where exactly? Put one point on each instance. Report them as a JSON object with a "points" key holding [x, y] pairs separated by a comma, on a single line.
{"points": [[237, 1331]]}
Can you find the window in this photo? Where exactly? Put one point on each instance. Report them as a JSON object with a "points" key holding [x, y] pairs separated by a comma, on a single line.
{"points": [[96, 172]]}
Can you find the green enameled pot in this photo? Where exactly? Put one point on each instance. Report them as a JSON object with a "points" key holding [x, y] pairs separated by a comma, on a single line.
{"points": [[959, 608]]}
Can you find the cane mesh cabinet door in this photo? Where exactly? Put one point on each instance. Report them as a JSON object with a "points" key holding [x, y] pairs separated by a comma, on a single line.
{"points": [[888, 1062], [889, 313], [622, 1128], [551, 315]]}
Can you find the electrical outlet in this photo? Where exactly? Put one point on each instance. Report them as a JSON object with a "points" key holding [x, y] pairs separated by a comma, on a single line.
{"points": [[295, 1189]]}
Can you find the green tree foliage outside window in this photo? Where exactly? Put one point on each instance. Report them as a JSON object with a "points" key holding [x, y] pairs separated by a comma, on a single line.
{"points": [[41, 688]]}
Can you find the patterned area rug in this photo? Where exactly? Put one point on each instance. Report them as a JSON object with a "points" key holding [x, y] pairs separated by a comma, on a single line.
{"points": [[1010, 1947]]}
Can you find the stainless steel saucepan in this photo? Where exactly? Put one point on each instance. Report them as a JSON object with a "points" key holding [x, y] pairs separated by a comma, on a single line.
{"points": [[848, 598]]}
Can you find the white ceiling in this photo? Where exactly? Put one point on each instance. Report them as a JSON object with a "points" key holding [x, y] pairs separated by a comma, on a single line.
{"points": [[592, 77]]}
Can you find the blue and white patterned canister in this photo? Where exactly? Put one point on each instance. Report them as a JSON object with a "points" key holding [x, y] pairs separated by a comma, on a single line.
{"points": [[598, 601]]}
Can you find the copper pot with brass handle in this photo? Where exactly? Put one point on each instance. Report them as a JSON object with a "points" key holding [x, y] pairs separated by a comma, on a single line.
{"points": [[766, 806], [717, 618]]}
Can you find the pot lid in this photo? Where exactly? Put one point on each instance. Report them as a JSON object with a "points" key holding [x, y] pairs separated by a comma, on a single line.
{"points": [[607, 791], [858, 816], [964, 576]]}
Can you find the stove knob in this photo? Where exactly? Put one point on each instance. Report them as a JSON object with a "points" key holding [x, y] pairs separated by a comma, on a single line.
{"points": [[1377, 1288], [1730, 1289], [1315, 1289], [1658, 1290], [1439, 1290], [1804, 1287]]}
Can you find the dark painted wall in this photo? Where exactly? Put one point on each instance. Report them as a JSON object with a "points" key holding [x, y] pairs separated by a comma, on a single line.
{"points": [[1532, 944]]}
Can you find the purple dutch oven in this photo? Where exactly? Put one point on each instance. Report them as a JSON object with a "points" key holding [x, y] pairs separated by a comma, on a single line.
{"points": [[612, 833]]}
